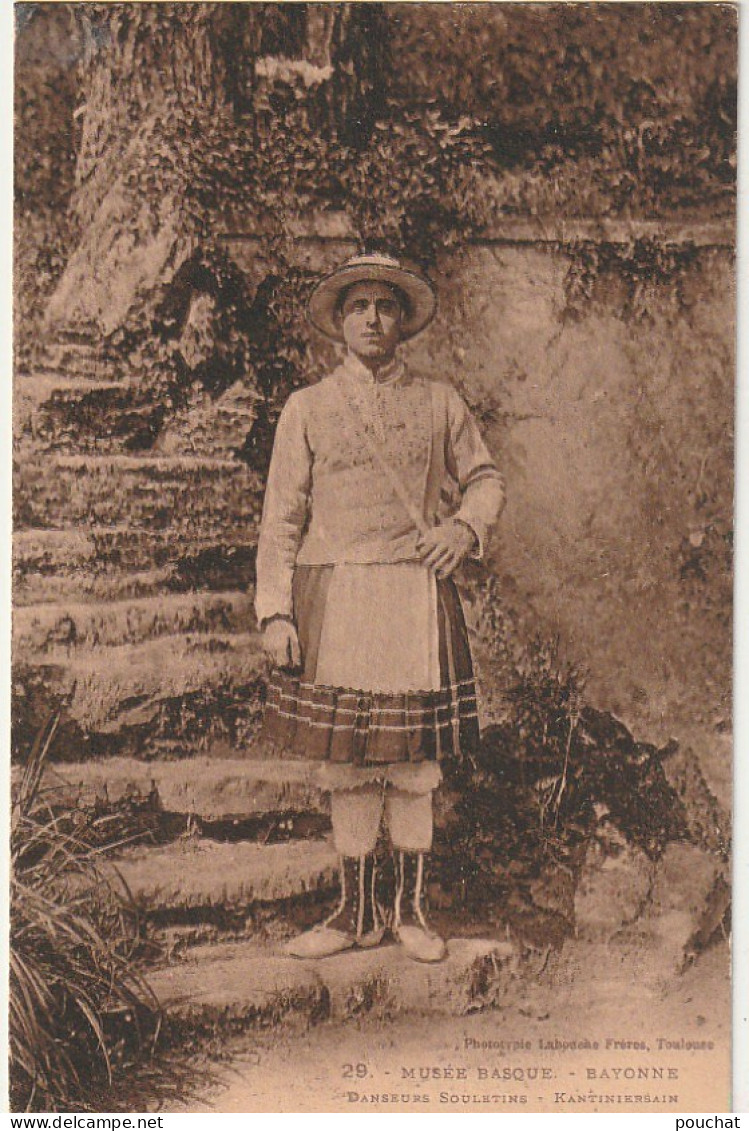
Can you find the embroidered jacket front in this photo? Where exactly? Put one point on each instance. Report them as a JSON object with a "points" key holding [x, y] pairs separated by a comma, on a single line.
{"points": [[327, 499]]}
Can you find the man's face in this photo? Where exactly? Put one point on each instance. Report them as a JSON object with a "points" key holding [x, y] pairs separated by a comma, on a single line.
{"points": [[371, 321]]}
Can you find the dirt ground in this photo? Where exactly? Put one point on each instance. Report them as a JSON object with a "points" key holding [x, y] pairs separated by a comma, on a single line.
{"points": [[593, 1034]]}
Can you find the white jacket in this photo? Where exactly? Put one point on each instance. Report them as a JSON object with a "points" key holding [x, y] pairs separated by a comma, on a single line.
{"points": [[328, 502]]}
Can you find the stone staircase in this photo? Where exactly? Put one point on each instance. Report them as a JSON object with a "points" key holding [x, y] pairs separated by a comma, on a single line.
{"points": [[133, 573], [226, 858], [73, 398], [133, 579], [133, 568], [233, 857]]}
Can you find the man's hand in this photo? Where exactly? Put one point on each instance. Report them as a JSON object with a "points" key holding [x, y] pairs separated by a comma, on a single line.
{"points": [[444, 547], [281, 644]]}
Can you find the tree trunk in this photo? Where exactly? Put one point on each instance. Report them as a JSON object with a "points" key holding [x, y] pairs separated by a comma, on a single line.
{"points": [[165, 88], [148, 71]]}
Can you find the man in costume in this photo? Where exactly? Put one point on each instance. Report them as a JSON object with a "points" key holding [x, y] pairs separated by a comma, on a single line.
{"points": [[372, 669]]}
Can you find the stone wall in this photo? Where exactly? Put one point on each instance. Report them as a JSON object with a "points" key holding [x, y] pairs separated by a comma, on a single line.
{"points": [[615, 434], [612, 420]]}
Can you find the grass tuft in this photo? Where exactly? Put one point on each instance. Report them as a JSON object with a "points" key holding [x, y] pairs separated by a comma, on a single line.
{"points": [[79, 1010]]}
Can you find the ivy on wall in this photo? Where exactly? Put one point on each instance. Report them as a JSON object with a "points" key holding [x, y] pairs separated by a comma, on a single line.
{"points": [[424, 125], [633, 274], [640, 100]]}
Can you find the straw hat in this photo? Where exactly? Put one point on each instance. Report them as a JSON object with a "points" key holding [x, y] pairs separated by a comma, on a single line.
{"points": [[418, 293]]}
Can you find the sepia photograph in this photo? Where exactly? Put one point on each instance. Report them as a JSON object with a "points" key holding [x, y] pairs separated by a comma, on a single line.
{"points": [[374, 369]]}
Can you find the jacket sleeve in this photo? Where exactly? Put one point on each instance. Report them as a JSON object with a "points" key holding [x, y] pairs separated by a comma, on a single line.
{"points": [[468, 461], [285, 512]]}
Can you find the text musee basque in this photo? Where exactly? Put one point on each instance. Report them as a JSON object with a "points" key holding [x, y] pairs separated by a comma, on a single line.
{"points": [[480, 1072]]}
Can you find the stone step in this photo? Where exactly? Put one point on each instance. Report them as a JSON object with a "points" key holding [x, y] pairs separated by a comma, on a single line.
{"points": [[95, 369], [95, 547], [84, 339], [78, 415], [37, 628], [193, 873], [114, 425], [73, 358], [61, 415], [78, 356], [80, 333], [198, 685], [216, 569], [63, 396], [241, 982], [106, 584], [179, 492], [211, 788], [160, 468]]}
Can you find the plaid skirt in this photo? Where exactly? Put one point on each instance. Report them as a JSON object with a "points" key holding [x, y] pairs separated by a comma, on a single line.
{"points": [[354, 726]]}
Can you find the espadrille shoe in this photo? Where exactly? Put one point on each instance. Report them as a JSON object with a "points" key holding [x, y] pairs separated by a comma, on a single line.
{"points": [[356, 920], [418, 940]]}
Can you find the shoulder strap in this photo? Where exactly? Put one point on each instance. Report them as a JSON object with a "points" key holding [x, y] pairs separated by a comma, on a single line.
{"points": [[383, 463]]}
